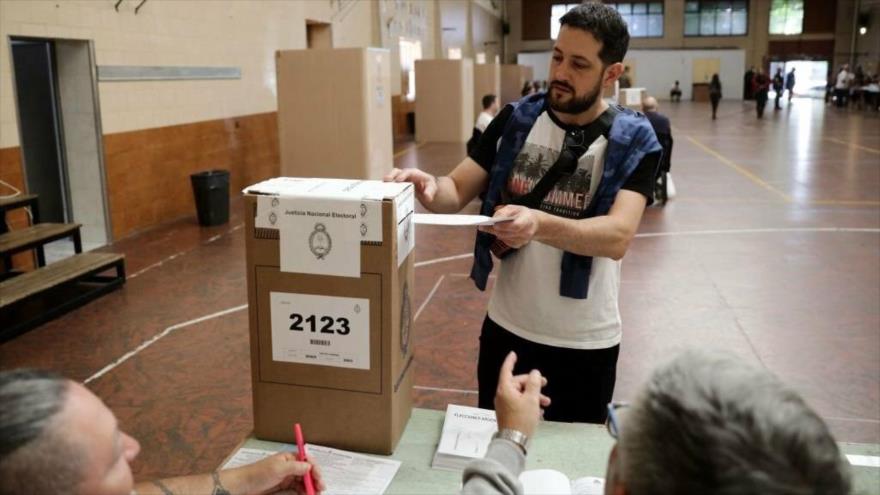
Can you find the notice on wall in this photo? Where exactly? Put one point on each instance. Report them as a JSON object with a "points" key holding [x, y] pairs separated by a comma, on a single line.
{"points": [[323, 330]]}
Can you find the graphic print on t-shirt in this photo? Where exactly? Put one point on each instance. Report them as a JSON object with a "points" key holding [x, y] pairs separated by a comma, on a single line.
{"points": [[568, 198]]}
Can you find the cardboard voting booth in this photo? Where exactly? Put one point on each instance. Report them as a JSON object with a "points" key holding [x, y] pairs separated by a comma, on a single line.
{"points": [[632, 97], [487, 81], [334, 112], [513, 77], [444, 100], [330, 278]]}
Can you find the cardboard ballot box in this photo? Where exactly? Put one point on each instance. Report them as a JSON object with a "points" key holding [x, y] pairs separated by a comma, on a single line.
{"points": [[330, 278], [334, 112], [513, 77]]}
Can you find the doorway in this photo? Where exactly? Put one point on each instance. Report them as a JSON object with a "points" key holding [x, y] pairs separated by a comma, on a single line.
{"points": [[60, 132], [40, 130], [319, 34], [810, 76]]}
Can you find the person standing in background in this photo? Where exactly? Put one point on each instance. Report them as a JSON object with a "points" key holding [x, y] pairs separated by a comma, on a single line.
{"points": [[789, 84], [714, 93], [841, 86], [778, 86], [761, 89], [748, 91]]}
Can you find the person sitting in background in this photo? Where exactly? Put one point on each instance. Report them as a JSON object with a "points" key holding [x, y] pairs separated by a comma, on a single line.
{"points": [[490, 110], [703, 423], [663, 130], [57, 437], [527, 89], [675, 92]]}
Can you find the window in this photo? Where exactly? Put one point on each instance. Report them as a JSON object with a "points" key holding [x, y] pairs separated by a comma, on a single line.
{"points": [[410, 51], [787, 17], [556, 12], [716, 18], [643, 19]]}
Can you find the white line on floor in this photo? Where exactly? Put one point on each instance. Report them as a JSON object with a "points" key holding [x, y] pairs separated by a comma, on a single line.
{"points": [[697, 232], [454, 390], [175, 255], [757, 231], [147, 343], [428, 299], [441, 260]]}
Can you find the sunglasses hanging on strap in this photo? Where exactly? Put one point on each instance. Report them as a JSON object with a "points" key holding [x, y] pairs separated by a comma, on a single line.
{"points": [[574, 146]]}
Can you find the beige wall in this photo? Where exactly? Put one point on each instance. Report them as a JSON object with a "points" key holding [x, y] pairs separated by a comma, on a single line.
{"points": [[411, 19], [242, 34]]}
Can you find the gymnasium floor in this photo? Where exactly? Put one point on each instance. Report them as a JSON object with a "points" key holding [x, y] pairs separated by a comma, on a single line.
{"points": [[771, 251]]}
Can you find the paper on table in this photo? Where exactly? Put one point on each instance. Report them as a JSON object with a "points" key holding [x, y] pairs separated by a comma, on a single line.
{"points": [[347, 473], [245, 456], [864, 460], [457, 220], [343, 472]]}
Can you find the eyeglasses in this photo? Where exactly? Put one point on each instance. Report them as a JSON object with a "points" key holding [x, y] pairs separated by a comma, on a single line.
{"points": [[612, 423]]}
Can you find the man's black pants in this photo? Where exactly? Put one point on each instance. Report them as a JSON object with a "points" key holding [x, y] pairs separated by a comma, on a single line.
{"points": [[580, 382]]}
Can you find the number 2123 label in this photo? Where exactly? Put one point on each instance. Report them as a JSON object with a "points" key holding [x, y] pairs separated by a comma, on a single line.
{"points": [[325, 330]]}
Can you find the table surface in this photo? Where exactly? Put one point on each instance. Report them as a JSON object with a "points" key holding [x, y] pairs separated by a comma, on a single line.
{"points": [[575, 449]]}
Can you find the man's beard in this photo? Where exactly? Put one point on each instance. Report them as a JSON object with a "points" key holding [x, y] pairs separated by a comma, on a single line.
{"points": [[575, 105]]}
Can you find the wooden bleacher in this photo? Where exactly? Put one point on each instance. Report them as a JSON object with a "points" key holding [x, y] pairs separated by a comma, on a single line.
{"points": [[32, 298]]}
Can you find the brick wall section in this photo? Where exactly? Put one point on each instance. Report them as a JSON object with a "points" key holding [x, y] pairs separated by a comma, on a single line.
{"points": [[148, 170], [11, 173]]}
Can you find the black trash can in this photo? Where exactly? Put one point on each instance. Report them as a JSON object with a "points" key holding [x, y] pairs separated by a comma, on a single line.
{"points": [[211, 192]]}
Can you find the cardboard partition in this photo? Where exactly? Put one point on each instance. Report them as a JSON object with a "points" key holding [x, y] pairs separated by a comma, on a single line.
{"points": [[513, 77], [333, 353], [487, 80], [444, 100], [633, 97], [334, 112]]}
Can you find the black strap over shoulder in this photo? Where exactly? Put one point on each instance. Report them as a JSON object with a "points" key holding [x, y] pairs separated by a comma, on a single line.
{"points": [[573, 147]]}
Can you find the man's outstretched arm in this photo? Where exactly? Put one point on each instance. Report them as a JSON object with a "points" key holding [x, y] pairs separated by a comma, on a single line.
{"points": [[446, 194], [276, 473]]}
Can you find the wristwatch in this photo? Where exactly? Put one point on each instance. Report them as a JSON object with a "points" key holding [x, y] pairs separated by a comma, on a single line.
{"points": [[519, 438]]}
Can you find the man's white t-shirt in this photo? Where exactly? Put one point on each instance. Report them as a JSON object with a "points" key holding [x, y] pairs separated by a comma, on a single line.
{"points": [[483, 121], [526, 298], [843, 78]]}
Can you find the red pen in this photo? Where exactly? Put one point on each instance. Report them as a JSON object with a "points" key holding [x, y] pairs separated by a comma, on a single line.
{"points": [[301, 456]]}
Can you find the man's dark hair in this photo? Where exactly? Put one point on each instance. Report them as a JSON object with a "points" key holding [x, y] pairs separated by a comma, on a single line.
{"points": [[605, 24], [488, 100], [34, 456]]}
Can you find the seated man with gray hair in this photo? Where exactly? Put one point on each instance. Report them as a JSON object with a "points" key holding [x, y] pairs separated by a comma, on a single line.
{"points": [[57, 437], [704, 423]]}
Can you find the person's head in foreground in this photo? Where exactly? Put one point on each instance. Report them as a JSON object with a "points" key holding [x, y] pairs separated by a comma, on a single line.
{"points": [[587, 56], [57, 437], [704, 423], [490, 104], [650, 104], [709, 423]]}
